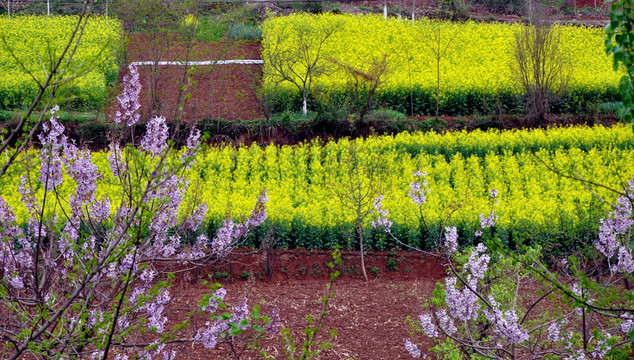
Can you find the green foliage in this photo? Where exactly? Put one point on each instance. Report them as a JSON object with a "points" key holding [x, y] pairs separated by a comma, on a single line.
{"points": [[619, 43], [209, 29], [392, 264], [242, 31]]}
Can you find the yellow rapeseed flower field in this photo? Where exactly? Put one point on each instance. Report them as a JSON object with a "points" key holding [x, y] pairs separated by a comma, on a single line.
{"points": [[534, 203], [475, 66], [32, 43]]}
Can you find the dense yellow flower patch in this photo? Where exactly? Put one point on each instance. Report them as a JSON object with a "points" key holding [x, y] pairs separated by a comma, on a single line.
{"points": [[29, 44], [303, 181], [475, 57]]}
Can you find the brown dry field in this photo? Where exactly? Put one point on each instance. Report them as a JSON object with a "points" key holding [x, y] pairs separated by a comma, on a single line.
{"points": [[368, 316]]}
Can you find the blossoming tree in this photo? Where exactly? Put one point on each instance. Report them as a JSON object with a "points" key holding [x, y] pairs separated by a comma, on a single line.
{"points": [[501, 305]]}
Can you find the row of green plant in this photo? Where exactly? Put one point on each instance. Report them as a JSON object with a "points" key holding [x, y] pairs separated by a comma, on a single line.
{"points": [[464, 102]]}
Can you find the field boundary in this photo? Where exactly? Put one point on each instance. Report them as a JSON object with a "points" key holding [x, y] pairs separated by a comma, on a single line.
{"points": [[202, 63]]}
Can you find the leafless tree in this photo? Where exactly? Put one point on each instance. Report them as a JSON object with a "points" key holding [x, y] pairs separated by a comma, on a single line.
{"points": [[362, 85], [439, 42], [357, 187], [538, 66], [302, 62]]}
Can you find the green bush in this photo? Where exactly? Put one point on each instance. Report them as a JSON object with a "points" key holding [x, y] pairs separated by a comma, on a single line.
{"points": [[209, 30], [245, 32], [458, 103]]}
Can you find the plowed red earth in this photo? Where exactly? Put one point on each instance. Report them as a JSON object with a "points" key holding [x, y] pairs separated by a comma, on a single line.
{"points": [[220, 91], [368, 316]]}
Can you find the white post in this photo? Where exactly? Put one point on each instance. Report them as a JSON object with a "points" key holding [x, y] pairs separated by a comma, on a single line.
{"points": [[9, 7], [106, 9], [385, 9], [413, 9], [48, 7]]}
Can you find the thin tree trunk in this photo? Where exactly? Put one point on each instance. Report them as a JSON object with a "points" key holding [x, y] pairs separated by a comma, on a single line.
{"points": [[360, 232]]}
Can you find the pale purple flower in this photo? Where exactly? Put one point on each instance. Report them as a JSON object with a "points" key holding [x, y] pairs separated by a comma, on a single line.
{"points": [[462, 304], [172, 246], [564, 263], [478, 233], [147, 275], [222, 244], [209, 335], [602, 347], [626, 326], [155, 138], [128, 263], [115, 160], [607, 242], [198, 249], [553, 332], [614, 227], [258, 214], [193, 140], [493, 193], [451, 239], [16, 281], [154, 310], [129, 99], [505, 324], [171, 355], [240, 313], [419, 189], [100, 210], [382, 220], [478, 264], [274, 326], [489, 221], [196, 219], [52, 141], [625, 262], [428, 326], [85, 174], [27, 197], [411, 348], [215, 300], [445, 322]]}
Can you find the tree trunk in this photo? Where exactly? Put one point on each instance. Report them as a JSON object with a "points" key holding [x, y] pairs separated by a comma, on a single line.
{"points": [[304, 104], [360, 232]]}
